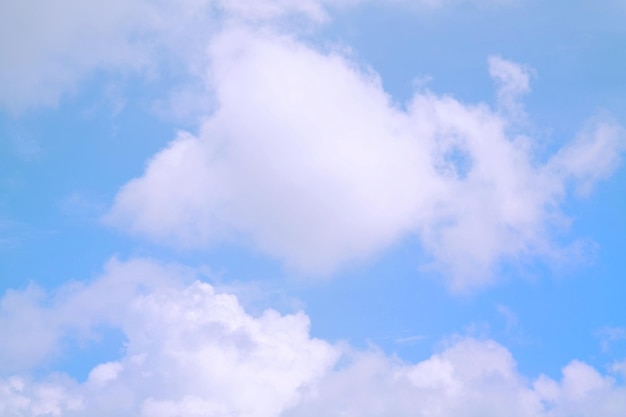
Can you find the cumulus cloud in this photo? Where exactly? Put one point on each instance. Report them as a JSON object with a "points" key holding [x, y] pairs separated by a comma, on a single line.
{"points": [[21, 397], [38, 322], [191, 351], [282, 172], [307, 159], [468, 378]]}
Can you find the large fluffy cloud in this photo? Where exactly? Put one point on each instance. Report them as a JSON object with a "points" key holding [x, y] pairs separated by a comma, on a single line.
{"points": [[191, 351], [308, 159]]}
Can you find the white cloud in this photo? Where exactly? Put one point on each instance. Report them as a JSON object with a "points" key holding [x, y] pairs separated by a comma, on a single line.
{"points": [[37, 321], [593, 156], [284, 173], [51, 47], [513, 81], [23, 397], [193, 352], [105, 373], [189, 350], [51, 44], [308, 160], [610, 336], [619, 367], [268, 9], [468, 378]]}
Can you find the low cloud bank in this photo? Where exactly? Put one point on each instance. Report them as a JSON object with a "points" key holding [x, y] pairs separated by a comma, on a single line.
{"points": [[191, 351]]}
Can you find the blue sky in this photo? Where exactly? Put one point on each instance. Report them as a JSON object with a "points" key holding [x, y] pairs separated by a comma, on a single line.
{"points": [[293, 208]]}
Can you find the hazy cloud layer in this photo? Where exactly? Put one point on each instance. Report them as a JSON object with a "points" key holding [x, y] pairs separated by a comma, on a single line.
{"points": [[192, 352], [49, 48], [307, 159]]}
